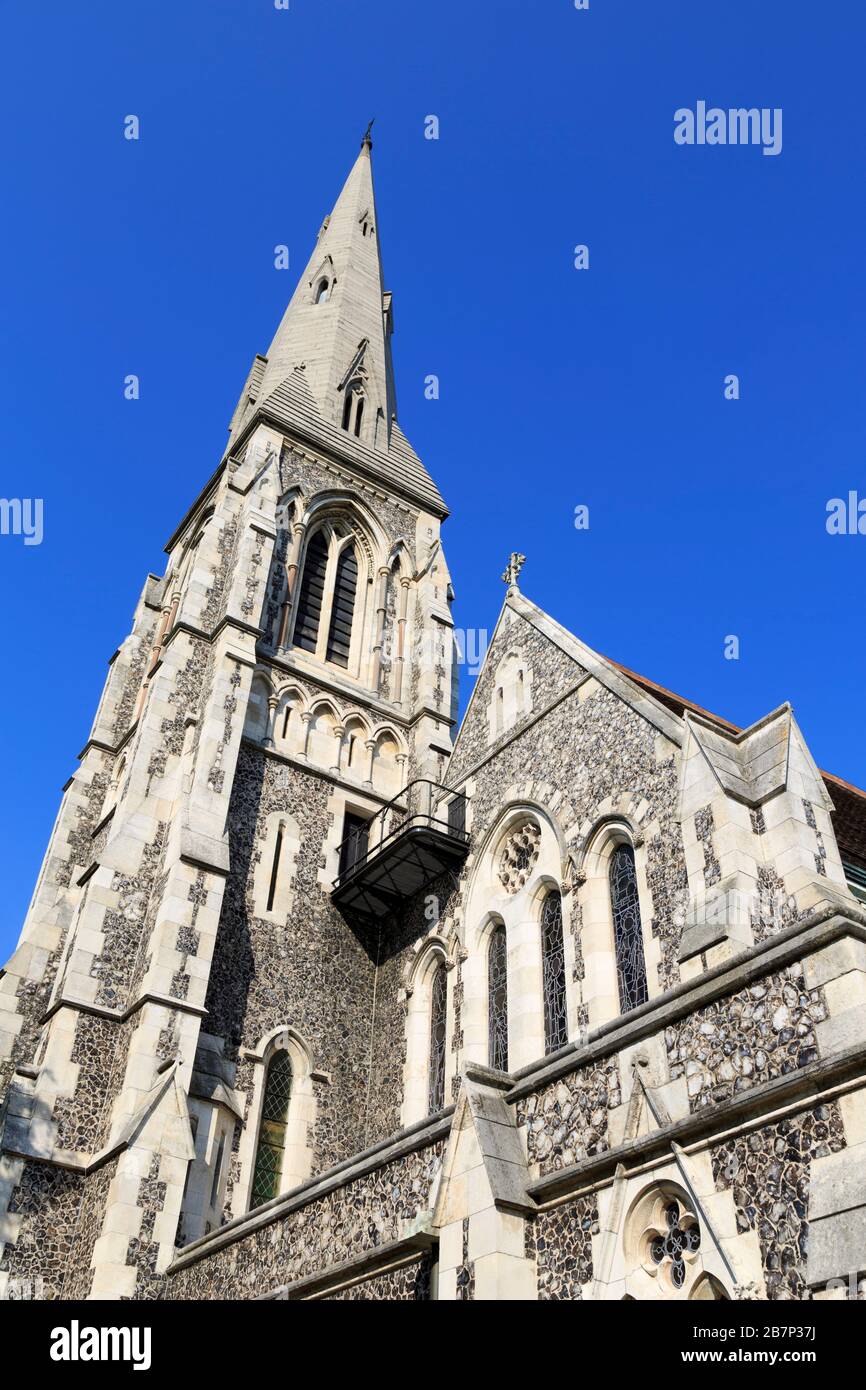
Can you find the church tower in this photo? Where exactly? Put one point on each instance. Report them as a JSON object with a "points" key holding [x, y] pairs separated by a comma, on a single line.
{"points": [[194, 1020]]}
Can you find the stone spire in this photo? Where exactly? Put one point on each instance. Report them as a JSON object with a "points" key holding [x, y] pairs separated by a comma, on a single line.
{"points": [[338, 322]]}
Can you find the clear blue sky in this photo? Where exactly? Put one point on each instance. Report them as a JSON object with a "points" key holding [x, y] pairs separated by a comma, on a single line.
{"points": [[558, 387]]}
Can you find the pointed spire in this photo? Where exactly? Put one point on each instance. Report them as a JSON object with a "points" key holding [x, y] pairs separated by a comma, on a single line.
{"points": [[338, 322]]}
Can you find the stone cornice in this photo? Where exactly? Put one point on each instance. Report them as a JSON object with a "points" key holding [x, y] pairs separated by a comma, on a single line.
{"points": [[821, 928], [394, 1254], [796, 1090], [408, 1141]]}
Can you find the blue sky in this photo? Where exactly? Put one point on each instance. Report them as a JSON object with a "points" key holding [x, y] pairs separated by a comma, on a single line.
{"points": [[558, 387]]}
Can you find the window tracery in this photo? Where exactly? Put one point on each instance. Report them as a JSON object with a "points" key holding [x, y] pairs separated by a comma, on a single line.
{"points": [[518, 856]]}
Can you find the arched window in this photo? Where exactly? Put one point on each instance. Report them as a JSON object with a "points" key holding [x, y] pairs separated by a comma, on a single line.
{"points": [[272, 1132], [438, 1023], [627, 934], [312, 593], [343, 607], [323, 293], [553, 974], [497, 999], [327, 594]]}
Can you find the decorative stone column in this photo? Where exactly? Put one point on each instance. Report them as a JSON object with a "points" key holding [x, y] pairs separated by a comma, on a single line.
{"points": [[399, 661], [370, 746], [381, 616], [339, 735], [292, 562], [306, 720], [268, 740]]}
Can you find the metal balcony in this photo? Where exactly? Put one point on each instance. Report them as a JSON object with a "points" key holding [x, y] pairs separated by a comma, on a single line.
{"points": [[386, 860]]}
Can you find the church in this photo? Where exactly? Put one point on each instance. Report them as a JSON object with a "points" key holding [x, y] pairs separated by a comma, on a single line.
{"points": [[320, 997]]}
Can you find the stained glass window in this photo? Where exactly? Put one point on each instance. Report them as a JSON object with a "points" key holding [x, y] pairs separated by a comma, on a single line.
{"points": [[497, 999], [681, 1237], [553, 974], [438, 1025], [272, 1134], [627, 935]]}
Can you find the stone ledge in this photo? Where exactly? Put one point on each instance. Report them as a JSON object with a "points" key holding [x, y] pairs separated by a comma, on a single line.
{"points": [[822, 927], [205, 852], [803, 1088], [407, 1141], [82, 1006], [701, 936], [394, 1254]]}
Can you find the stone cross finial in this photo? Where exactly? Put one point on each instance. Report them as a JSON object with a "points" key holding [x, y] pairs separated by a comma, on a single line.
{"points": [[368, 136], [511, 573]]}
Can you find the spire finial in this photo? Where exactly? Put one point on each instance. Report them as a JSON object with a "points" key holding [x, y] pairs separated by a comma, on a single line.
{"points": [[511, 573], [367, 142]]}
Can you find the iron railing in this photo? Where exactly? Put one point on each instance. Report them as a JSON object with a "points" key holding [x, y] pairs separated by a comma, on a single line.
{"points": [[422, 805]]}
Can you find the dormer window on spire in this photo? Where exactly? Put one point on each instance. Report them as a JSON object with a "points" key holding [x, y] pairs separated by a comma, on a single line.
{"points": [[353, 408], [323, 291]]}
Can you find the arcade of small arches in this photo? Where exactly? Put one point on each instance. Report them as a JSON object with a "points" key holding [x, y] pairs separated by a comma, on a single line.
{"points": [[318, 731]]}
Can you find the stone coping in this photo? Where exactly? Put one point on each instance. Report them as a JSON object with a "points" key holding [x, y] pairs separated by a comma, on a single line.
{"points": [[407, 1141], [394, 1254], [803, 1087], [821, 928]]}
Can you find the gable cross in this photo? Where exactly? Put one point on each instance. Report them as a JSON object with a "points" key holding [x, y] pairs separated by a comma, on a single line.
{"points": [[511, 573]]}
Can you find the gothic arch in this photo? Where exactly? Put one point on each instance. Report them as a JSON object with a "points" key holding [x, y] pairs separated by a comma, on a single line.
{"points": [[603, 961], [333, 522], [620, 810], [324, 720], [519, 863], [389, 756], [432, 955], [297, 1159], [257, 720], [354, 751], [511, 700]]}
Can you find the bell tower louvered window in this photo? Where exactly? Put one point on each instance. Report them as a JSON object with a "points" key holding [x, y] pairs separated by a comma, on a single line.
{"points": [[627, 934], [272, 1134], [312, 593], [497, 999], [343, 607]]}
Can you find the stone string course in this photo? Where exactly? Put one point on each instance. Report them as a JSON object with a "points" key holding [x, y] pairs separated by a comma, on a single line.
{"points": [[409, 1284], [361, 1216]]}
